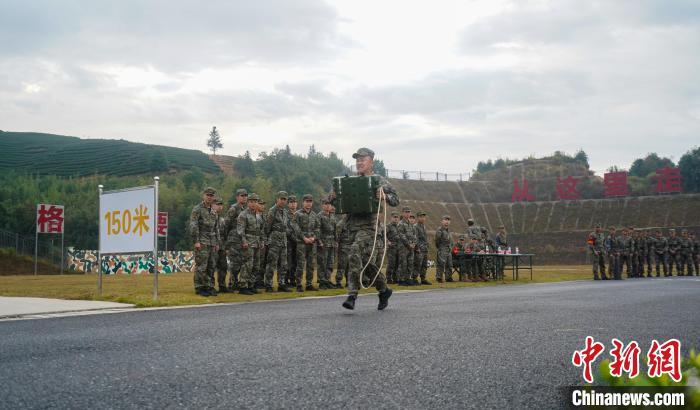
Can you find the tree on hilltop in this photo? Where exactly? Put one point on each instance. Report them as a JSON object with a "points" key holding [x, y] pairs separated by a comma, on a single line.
{"points": [[214, 141]]}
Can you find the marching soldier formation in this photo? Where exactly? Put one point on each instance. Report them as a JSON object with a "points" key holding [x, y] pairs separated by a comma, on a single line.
{"points": [[638, 252]]}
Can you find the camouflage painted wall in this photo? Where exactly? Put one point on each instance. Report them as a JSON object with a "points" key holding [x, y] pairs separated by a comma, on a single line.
{"points": [[172, 261]]}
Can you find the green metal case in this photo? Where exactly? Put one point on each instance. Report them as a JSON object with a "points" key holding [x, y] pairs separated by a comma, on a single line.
{"points": [[356, 194]]}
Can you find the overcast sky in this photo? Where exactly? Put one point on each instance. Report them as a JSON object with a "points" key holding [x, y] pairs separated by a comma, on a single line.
{"points": [[434, 85]]}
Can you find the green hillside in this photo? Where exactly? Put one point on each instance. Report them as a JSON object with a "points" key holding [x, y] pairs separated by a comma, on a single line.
{"points": [[48, 154]]}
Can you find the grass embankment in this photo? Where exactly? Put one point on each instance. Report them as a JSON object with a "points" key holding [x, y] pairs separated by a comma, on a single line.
{"points": [[177, 289]]}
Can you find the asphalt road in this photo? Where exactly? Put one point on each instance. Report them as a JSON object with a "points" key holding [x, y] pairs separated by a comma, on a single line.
{"points": [[494, 347]]}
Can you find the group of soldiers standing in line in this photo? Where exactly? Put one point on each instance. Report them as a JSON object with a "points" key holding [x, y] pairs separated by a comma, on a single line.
{"points": [[637, 249], [249, 244]]}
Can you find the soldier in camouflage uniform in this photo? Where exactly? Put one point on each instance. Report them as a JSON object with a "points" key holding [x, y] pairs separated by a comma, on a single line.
{"points": [[686, 254], [361, 228], [292, 235], [660, 252], [276, 225], [221, 262], [309, 232], [634, 252], [407, 240], [501, 245], [420, 259], [612, 248], [344, 243], [443, 243], [695, 253], [596, 244], [262, 260], [473, 231], [249, 229], [326, 245], [204, 232], [460, 249], [488, 246], [478, 271], [674, 256], [649, 257], [234, 250], [392, 252], [626, 245]]}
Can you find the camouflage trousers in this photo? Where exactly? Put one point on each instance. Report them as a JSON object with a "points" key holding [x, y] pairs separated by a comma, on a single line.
{"points": [[626, 259], [276, 259], [696, 262], [360, 254], [260, 267], [686, 259], [252, 259], [674, 259], [305, 258], [343, 261], [443, 264], [477, 267], [236, 260], [325, 256], [420, 265], [205, 261], [598, 264], [291, 262], [660, 259], [405, 263], [614, 267], [221, 267], [392, 268]]}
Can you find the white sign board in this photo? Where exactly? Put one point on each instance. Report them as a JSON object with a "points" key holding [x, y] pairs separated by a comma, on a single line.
{"points": [[128, 221]]}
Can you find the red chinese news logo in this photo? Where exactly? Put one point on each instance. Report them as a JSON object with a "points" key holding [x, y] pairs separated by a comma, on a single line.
{"points": [[661, 359], [49, 218]]}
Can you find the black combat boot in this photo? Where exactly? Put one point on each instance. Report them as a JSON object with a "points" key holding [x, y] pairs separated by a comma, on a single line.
{"points": [[283, 288], [246, 291], [254, 290], [384, 298], [300, 288], [269, 289], [350, 302], [203, 292], [595, 277], [311, 288], [212, 292], [223, 289], [438, 280], [449, 279]]}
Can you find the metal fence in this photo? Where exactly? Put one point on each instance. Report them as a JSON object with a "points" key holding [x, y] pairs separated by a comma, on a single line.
{"points": [[49, 248], [423, 175]]}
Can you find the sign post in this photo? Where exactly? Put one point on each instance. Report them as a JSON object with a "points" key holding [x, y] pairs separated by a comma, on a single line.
{"points": [[128, 224], [99, 242], [49, 219]]}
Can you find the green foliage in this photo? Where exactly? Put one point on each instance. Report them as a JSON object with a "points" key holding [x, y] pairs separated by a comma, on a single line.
{"points": [[244, 166], [558, 158], [644, 167], [214, 141], [690, 368], [690, 170], [379, 167], [48, 154]]}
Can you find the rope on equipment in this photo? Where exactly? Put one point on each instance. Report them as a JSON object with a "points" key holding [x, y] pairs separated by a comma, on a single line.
{"points": [[382, 201]]}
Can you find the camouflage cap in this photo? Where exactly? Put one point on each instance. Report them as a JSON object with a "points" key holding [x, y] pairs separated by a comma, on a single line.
{"points": [[446, 217], [241, 191], [483, 229], [261, 201], [253, 197], [218, 200], [412, 217], [406, 209], [394, 213], [421, 213], [363, 152], [501, 227], [470, 220], [598, 225], [307, 197], [209, 191], [325, 201], [291, 198], [462, 237], [282, 195]]}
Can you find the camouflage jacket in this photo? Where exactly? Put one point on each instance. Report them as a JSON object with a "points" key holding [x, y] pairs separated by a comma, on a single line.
{"points": [[686, 246], [344, 237], [625, 244], [327, 228], [230, 224], [276, 224], [696, 247], [221, 225], [308, 225], [443, 238], [392, 233], [203, 226], [421, 237], [612, 244], [596, 242], [474, 232], [249, 228], [502, 240], [407, 236], [358, 222], [674, 244], [660, 245]]}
